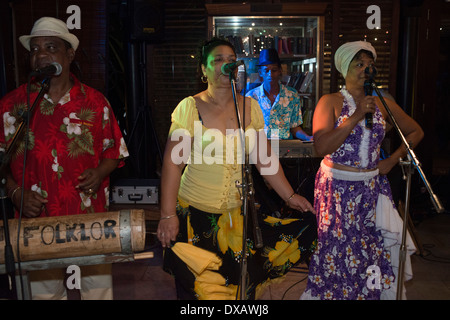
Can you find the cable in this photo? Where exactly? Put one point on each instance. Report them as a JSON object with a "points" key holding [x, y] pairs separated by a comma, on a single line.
{"points": [[298, 282], [437, 258], [19, 222]]}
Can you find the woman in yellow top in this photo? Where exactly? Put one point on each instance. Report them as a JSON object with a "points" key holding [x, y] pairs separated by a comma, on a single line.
{"points": [[201, 221]]}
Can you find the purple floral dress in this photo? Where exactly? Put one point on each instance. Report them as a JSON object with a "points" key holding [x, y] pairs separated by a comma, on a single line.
{"points": [[351, 261]]}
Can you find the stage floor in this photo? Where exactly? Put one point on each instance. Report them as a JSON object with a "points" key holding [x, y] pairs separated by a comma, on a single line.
{"points": [[145, 279]]}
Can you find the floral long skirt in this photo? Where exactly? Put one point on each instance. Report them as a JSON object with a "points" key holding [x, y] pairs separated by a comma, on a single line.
{"points": [[358, 236], [206, 259]]}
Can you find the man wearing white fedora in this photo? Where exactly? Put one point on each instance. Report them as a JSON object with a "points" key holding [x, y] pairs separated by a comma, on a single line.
{"points": [[74, 145]]}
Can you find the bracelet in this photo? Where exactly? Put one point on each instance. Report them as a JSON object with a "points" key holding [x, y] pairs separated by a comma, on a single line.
{"points": [[168, 217], [292, 195], [14, 191]]}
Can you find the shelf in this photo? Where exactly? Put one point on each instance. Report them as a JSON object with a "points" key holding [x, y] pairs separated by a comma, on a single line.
{"points": [[298, 40], [288, 35]]}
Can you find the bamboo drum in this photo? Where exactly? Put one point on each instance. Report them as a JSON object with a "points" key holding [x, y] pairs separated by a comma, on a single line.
{"points": [[76, 235]]}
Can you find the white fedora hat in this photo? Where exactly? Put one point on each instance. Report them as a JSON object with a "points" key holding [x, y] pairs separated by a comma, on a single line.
{"points": [[50, 27]]}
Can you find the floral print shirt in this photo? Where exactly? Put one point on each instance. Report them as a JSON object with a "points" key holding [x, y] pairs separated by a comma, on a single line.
{"points": [[65, 138], [283, 115]]}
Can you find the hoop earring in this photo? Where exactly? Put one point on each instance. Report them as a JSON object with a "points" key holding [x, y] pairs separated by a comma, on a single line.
{"points": [[204, 79]]}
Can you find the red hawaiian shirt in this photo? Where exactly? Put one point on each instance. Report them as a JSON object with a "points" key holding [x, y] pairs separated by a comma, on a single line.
{"points": [[65, 138]]}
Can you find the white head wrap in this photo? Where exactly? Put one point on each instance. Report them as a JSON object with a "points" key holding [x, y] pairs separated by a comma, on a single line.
{"points": [[345, 54]]}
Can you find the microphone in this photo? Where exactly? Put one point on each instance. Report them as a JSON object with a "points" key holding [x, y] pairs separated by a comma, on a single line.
{"points": [[54, 69], [228, 68], [368, 92]]}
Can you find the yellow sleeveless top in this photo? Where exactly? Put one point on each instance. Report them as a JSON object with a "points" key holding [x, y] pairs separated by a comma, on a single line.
{"points": [[209, 179]]}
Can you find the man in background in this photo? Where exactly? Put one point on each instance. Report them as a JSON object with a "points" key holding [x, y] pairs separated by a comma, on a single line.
{"points": [[281, 105]]}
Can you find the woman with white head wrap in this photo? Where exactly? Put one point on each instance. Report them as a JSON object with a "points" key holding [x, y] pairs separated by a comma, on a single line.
{"points": [[359, 230], [345, 54]]}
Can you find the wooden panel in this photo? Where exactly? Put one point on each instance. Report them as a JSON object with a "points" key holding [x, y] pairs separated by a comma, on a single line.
{"points": [[350, 24], [328, 44], [172, 65]]}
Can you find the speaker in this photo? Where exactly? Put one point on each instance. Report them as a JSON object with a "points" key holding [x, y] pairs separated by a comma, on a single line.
{"points": [[146, 20]]}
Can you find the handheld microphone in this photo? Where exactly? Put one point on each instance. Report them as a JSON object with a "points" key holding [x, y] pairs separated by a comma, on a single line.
{"points": [[54, 69], [368, 91], [228, 68]]}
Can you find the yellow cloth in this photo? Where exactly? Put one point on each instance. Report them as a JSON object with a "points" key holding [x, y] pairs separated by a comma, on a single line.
{"points": [[209, 284], [212, 187], [273, 221], [197, 259]]}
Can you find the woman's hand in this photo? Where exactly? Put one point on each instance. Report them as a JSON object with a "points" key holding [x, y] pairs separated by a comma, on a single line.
{"points": [[168, 228], [300, 203], [386, 165], [366, 105]]}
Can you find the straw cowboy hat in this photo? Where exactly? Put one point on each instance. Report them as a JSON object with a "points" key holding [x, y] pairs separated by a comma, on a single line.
{"points": [[50, 27]]}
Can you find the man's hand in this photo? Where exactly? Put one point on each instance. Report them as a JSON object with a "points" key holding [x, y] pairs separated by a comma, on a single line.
{"points": [[91, 178], [33, 203], [90, 181]]}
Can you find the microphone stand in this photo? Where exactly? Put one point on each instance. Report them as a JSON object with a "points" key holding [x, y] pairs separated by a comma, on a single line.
{"points": [[413, 162], [9, 254], [5, 158], [247, 195]]}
